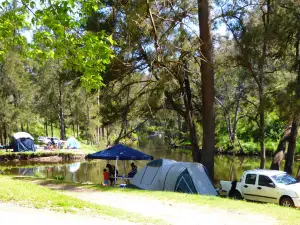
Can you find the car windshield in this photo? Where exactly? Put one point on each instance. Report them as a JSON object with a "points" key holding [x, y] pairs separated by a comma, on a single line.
{"points": [[284, 179]]}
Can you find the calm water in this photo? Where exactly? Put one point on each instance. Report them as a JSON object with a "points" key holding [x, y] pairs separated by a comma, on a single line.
{"points": [[92, 171]]}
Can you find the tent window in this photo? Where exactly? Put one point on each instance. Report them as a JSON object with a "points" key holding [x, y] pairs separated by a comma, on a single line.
{"points": [[185, 183]]}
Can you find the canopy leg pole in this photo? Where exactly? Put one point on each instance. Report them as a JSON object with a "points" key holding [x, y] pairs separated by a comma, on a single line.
{"points": [[116, 171], [86, 171], [124, 164]]}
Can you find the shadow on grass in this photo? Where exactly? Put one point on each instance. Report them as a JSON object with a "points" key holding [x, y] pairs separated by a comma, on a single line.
{"points": [[66, 185]]}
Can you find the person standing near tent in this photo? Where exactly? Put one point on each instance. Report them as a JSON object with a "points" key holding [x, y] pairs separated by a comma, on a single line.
{"points": [[133, 170], [111, 171], [106, 177]]}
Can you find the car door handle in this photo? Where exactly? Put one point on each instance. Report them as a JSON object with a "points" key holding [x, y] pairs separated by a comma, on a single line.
{"points": [[259, 188], [245, 186]]}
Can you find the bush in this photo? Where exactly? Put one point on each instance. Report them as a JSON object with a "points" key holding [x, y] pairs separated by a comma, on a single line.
{"points": [[250, 147]]}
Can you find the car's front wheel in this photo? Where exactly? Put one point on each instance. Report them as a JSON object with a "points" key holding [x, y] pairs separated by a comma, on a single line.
{"points": [[287, 202]]}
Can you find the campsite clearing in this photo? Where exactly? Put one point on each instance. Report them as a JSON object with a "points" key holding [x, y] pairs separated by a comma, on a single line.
{"points": [[177, 208]]}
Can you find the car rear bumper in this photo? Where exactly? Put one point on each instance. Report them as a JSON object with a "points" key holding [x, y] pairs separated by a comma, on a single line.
{"points": [[296, 202]]}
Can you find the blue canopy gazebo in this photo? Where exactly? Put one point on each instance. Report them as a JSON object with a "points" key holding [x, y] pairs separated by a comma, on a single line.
{"points": [[120, 152]]}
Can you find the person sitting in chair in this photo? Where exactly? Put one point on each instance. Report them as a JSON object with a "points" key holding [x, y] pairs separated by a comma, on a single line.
{"points": [[133, 170]]}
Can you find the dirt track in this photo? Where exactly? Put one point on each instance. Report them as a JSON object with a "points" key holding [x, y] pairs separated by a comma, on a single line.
{"points": [[12, 215], [172, 213]]}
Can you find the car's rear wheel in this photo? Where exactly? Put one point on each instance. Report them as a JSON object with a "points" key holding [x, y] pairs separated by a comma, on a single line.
{"points": [[236, 195], [287, 202]]}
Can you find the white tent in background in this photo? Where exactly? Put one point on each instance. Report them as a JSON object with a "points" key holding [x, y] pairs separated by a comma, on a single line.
{"points": [[72, 143], [169, 175]]}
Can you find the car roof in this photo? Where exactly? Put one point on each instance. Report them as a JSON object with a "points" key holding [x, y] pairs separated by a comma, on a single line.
{"points": [[266, 172]]}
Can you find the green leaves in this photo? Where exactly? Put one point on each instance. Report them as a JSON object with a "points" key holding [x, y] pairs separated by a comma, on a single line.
{"points": [[57, 34]]}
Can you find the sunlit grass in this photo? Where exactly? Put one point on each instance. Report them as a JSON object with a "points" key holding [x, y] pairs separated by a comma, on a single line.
{"points": [[284, 215], [32, 195]]}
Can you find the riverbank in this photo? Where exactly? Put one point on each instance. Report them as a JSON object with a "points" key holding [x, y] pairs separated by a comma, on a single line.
{"points": [[43, 156], [174, 208]]}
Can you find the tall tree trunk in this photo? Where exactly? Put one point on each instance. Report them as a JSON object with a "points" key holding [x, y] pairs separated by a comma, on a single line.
{"points": [[262, 128], [1, 134], [27, 127], [107, 136], [261, 65], [61, 114], [289, 162], [103, 133], [77, 129], [179, 126], [236, 114], [22, 127], [5, 133], [207, 78], [73, 128], [289, 158], [98, 134], [124, 120], [88, 123], [191, 120], [98, 127], [46, 127], [51, 128]]}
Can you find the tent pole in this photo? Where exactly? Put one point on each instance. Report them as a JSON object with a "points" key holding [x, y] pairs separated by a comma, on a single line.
{"points": [[86, 170], [124, 164], [116, 170]]}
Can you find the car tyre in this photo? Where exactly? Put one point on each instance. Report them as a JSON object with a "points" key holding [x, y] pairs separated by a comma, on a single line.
{"points": [[236, 195], [287, 202]]}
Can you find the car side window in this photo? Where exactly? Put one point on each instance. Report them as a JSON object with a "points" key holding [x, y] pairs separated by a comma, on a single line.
{"points": [[250, 178], [264, 181]]}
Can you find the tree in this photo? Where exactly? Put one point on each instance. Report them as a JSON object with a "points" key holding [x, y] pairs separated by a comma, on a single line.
{"points": [[207, 78]]}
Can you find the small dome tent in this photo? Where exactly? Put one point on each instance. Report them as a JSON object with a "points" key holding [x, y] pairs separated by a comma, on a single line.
{"points": [[72, 143], [22, 141], [169, 175]]}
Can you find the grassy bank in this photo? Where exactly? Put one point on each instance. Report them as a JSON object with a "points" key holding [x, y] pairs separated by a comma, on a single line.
{"points": [[65, 155], [32, 195], [283, 215]]}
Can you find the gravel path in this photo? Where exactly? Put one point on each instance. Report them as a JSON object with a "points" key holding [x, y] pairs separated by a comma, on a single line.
{"points": [[11, 214], [169, 211], [173, 213]]}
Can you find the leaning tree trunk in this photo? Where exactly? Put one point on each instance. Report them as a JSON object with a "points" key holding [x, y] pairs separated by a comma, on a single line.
{"points": [[289, 159], [207, 78], [279, 155]]}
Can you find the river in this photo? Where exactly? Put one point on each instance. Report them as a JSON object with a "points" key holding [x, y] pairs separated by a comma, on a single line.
{"points": [[226, 167]]}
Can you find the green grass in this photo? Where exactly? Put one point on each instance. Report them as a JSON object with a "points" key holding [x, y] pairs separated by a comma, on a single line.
{"points": [[32, 195], [283, 215]]}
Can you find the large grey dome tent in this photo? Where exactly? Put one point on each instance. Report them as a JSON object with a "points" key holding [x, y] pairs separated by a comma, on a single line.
{"points": [[169, 175], [22, 141]]}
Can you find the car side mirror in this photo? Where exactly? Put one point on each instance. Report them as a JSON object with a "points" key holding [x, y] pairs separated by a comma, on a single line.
{"points": [[272, 185]]}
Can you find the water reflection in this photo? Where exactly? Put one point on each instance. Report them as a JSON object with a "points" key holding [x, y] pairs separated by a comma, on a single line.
{"points": [[226, 167]]}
